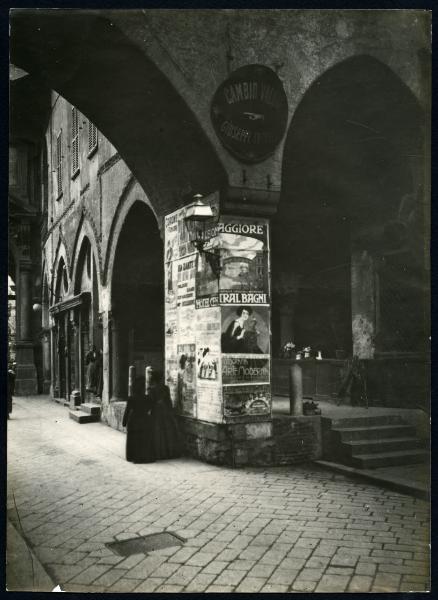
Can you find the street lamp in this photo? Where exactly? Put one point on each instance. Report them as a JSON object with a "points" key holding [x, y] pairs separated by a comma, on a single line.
{"points": [[200, 220], [37, 307]]}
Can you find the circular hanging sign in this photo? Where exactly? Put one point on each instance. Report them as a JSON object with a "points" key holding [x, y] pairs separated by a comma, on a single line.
{"points": [[249, 113]]}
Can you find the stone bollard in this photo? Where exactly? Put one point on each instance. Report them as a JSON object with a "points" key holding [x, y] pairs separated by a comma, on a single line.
{"points": [[296, 390], [131, 381], [147, 379]]}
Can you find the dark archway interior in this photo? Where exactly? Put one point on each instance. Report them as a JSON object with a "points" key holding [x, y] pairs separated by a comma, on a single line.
{"points": [[86, 281], [61, 282], [137, 292], [350, 176], [92, 64], [12, 319]]}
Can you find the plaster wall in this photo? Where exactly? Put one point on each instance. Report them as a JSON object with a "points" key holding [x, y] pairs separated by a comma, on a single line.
{"points": [[300, 45]]}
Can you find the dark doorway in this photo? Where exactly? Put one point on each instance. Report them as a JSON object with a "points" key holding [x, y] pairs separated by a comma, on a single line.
{"points": [[137, 298]]}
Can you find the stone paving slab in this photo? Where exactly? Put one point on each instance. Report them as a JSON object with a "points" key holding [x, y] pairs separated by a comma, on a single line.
{"points": [[278, 530]]}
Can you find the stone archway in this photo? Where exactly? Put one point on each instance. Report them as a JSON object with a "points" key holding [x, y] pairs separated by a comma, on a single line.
{"points": [[352, 199], [349, 165], [60, 372], [87, 339], [137, 296], [45, 335], [87, 59], [12, 309]]}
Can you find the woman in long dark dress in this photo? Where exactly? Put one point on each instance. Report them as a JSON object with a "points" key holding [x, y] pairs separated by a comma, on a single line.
{"points": [[138, 421], [167, 441]]}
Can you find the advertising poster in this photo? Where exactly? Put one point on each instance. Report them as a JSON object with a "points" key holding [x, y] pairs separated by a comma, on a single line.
{"points": [[245, 329], [209, 403], [186, 269], [186, 380], [184, 246], [244, 264], [170, 255], [207, 325], [247, 400], [207, 364], [241, 369]]}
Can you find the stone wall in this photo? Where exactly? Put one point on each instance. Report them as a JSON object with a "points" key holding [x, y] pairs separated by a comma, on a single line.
{"points": [[112, 414], [285, 441], [297, 439]]}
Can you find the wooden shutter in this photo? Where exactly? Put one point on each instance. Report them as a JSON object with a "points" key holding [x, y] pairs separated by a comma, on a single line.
{"points": [[74, 140], [59, 164], [92, 137]]}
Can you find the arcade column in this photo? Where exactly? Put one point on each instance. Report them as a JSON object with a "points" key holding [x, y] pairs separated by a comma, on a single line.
{"points": [[26, 382], [217, 334], [45, 343], [363, 302], [115, 359]]}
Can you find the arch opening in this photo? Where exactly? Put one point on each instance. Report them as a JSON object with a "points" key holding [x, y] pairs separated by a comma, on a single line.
{"points": [[12, 318], [349, 273], [137, 317], [99, 70]]}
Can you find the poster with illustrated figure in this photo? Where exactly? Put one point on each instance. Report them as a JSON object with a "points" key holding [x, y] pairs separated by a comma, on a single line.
{"points": [[170, 255], [186, 380], [207, 363], [245, 330], [247, 400], [244, 266]]}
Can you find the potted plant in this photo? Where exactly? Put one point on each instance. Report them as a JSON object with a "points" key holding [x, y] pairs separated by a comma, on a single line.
{"points": [[287, 350]]}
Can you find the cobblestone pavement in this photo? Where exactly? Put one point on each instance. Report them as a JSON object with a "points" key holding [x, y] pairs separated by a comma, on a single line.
{"points": [[285, 529]]}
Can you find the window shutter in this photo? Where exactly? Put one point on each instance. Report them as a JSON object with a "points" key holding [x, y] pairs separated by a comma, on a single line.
{"points": [[92, 137], [75, 139], [59, 164]]}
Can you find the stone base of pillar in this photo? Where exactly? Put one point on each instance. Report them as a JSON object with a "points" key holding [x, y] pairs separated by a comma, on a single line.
{"points": [[283, 441], [75, 399], [26, 380], [46, 386]]}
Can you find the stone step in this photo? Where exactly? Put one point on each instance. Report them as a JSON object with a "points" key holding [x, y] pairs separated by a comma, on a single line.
{"points": [[91, 408], [355, 447], [366, 421], [388, 459], [83, 417], [345, 434]]}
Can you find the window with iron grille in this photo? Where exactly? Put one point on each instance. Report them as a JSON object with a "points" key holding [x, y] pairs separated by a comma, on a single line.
{"points": [[74, 140], [92, 137], [59, 164]]}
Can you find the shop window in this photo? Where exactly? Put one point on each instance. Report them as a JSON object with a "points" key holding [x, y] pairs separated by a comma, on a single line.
{"points": [[74, 141], [92, 138], [59, 165]]}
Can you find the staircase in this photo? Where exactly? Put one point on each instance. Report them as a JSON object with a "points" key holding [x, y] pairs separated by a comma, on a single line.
{"points": [[88, 412], [371, 442]]}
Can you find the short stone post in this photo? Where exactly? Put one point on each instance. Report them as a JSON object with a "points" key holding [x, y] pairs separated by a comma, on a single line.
{"points": [[147, 379], [296, 390], [131, 381]]}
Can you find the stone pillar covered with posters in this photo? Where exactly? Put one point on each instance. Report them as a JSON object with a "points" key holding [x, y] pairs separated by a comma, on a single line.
{"points": [[217, 330]]}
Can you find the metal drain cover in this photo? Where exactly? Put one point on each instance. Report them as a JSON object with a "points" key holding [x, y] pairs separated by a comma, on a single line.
{"points": [[146, 543]]}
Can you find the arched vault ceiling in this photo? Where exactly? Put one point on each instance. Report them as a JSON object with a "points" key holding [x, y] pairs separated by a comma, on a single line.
{"points": [[91, 63]]}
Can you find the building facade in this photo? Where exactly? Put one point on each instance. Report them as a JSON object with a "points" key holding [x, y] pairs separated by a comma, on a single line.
{"points": [[153, 107]]}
